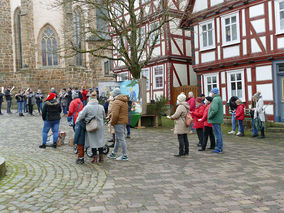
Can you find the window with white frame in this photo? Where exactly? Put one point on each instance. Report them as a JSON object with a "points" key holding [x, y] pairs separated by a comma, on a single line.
{"points": [[230, 29], [123, 76], [158, 77], [207, 37], [279, 14], [210, 81], [146, 74], [235, 84]]}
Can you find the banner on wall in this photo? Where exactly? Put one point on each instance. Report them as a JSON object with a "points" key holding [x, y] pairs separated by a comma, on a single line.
{"points": [[106, 87]]}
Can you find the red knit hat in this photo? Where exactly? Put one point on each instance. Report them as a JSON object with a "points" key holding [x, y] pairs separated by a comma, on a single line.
{"points": [[51, 96], [198, 99]]}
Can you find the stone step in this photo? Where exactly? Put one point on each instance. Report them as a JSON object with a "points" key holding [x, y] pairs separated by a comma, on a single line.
{"points": [[2, 167], [275, 124], [275, 129]]}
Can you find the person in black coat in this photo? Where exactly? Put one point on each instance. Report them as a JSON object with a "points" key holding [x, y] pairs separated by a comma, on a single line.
{"points": [[51, 117], [129, 118], [233, 107], [8, 99]]}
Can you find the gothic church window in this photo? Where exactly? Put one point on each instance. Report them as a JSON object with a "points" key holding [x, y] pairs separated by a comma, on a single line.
{"points": [[77, 29], [49, 48], [18, 39]]}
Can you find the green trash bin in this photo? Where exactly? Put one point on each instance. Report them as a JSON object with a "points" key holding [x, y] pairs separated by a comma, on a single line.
{"points": [[135, 118]]}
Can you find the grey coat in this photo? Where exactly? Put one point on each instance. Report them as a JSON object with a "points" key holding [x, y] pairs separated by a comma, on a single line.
{"points": [[92, 109], [259, 109], [179, 117]]}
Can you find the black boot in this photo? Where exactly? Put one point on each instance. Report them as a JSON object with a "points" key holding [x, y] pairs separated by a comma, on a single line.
{"points": [[43, 146], [262, 134], [80, 161]]}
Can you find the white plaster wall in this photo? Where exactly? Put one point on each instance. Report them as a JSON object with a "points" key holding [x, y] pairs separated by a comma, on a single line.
{"points": [[188, 47], [244, 46], [224, 98], [254, 46], [174, 27], [223, 78], [233, 51], [45, 13], [263, 73], [263, 41], [244, 22], [193, 77], [156, 52], [218, 29], [248, 74], [280, 43], [163, 48], [270, 15], [196, 37], [200, 5], [269, 109], [249, 92], [219, 52], [259, 25], [182, 72], [175, 81], [266, 91], [175, 50], [215, 2], [271, 42], [256, 10], [197, 57], [207, 57], [14, 4]]}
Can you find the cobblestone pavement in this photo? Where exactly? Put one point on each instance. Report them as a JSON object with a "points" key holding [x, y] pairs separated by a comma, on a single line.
{"points": [[248, 177]]}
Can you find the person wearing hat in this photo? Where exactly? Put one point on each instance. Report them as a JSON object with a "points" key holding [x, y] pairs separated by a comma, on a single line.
{"points": [[75, 107], [95, 139], [180, 127], [51, 117], [119, 120], [208, 131], [216, 117], [197, 114]]}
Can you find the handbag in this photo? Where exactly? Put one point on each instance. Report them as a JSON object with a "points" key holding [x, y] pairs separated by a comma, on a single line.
{"points": [[70, 119], [188, 119], [93, 125]]}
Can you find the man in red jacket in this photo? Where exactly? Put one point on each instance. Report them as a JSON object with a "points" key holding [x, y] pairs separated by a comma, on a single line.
{"points": [[191, 102], [84, 93]]}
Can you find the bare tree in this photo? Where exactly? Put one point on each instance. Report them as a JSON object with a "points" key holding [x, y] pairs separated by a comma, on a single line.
{"points": [[121, 29]]}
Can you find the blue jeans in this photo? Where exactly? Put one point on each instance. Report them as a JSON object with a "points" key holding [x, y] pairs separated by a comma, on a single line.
{"points": [[9, 103], [191, 127], [128, 130], [47, 125], [39, 106], [254, 130], [25, 107], [219, 136], [241, 127], [233, 121], [20, 107], [0, 107], [65, 110]]}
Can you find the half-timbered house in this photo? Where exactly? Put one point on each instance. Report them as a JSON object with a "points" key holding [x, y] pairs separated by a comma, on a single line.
{"points": [[170, 65], [238, 46]]}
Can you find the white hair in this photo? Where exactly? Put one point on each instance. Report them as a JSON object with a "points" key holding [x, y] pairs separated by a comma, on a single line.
{"points": [[191, 94]]}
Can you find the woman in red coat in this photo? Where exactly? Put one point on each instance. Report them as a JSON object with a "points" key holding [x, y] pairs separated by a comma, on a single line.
{"points": [[240, 116], [208, 131], [197, 114], [75, 107]]}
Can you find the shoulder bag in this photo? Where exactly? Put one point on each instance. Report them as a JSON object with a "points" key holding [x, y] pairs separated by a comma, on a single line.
{"points": [[93, 125]]}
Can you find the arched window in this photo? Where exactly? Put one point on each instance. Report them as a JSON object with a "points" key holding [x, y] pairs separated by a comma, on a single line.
{"points": [[18, 39], [49, 48], [77, 29]]}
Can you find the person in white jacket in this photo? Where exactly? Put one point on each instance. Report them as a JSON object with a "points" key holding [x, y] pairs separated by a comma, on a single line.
{"points": [[259, 114]]}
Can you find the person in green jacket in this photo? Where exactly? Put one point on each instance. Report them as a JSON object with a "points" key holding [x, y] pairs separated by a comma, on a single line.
{"points": [[216, 116]]}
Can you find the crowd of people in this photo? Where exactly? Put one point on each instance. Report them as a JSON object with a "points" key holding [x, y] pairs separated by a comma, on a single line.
{"points": [[207, 115], [87, 117]]}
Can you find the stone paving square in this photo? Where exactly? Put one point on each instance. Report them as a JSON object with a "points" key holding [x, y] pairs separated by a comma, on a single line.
{"points": [[247, 177]]}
